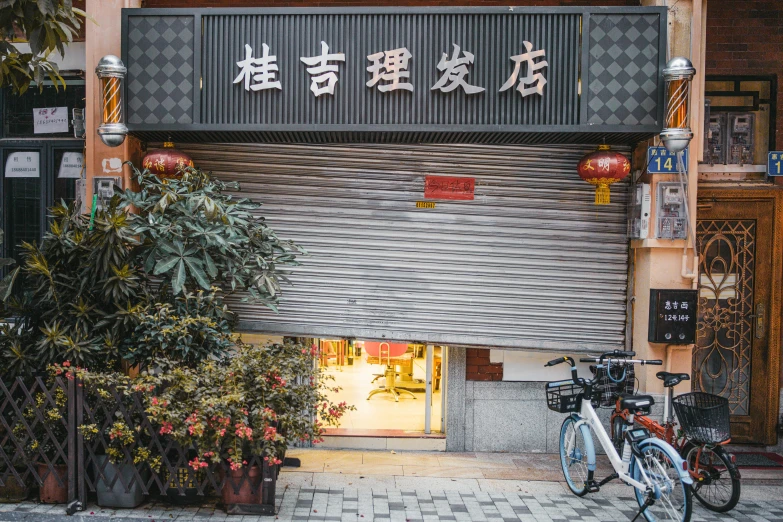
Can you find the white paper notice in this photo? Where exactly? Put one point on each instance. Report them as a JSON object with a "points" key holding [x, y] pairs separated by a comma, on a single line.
{"points": [[50, 120], [23, 165], [71, 165]]}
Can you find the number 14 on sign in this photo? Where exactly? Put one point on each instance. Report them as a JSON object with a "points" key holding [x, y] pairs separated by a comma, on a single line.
{"points": [[775, 163]]}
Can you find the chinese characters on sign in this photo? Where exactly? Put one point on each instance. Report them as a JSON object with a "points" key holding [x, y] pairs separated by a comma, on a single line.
{"points": [[455, 71], [661, 161], [774, 161], [389, 71], [394, 64], [534, 79], [673, 316], [259, 70], [448, 187], [326, 73]]}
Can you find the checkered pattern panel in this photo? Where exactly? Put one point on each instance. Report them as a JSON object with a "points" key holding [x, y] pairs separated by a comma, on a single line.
{"points": [[622, 87], [160, 77]]}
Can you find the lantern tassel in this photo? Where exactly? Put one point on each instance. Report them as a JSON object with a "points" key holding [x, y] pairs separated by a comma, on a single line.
{"points": [[602, 194]]}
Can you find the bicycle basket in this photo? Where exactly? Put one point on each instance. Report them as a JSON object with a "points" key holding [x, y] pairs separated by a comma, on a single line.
{"points": [[609, 384], [703, 417], [563, 396]]}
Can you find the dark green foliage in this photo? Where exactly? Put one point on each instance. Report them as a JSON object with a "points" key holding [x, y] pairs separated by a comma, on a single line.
{"points": [[47, 25], [71, 299], [195, 235], [142, 288]]}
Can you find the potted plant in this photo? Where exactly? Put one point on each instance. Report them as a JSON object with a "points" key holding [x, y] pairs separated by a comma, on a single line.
{"points": [[241, 416]]}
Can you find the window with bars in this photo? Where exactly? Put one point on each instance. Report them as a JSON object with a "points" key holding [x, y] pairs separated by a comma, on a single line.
{"points": [[18, 110]]}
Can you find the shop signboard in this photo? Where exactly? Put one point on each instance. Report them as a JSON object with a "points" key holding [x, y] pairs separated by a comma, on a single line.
{"points": [[775, 163], [395, 74], [662, 161]]}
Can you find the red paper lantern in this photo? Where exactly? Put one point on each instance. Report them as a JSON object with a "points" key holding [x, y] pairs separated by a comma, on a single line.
{"points": [[167, 162], [602, 168]]}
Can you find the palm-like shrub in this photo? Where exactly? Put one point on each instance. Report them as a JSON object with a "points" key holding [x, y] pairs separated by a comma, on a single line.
{"points": [[75, 293]]}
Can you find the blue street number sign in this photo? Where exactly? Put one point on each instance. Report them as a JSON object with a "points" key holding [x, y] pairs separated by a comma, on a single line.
{"points": [[661, 161], [775, 163]]}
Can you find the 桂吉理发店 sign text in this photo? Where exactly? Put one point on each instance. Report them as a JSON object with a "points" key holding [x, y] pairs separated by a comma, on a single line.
{"points": [[285, 74]]}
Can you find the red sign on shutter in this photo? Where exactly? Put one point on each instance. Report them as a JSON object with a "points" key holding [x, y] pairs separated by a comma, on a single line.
{"points": [[448, 187]]}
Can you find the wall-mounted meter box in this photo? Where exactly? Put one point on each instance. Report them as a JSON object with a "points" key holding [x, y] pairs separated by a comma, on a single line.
{"points": [[673, 316], [103, 188], [670, 222], [639, 222], [741, 137], [715, 152]]}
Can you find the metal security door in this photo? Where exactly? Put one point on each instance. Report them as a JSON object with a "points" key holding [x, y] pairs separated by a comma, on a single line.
{"points": [[530, 262], [735, 356]]}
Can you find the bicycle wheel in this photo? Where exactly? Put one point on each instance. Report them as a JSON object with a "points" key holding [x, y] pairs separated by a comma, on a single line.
{"points": [[573, 456], [717, 486], [672, 496], [618, 429]]}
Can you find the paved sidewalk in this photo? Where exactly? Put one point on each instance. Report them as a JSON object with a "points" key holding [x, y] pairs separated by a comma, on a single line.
{"points": [[364, 486], [364, 505]]}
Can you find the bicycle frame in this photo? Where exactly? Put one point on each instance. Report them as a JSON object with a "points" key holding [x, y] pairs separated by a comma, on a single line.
{"points": [[588, 417], [665, 432]]}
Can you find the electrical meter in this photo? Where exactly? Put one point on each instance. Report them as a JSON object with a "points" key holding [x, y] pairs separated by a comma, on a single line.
{"points": [[716, 140], [640, 212], [670, 211], [741, 138]]}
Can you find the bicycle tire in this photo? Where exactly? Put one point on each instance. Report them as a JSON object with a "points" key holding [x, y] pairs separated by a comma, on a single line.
{"points": [[574, 456], [676, 503], [618, 429], [714, 473]]}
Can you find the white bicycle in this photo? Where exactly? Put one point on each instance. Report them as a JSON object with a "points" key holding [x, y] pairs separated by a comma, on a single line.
{"points": [[651, 466]]}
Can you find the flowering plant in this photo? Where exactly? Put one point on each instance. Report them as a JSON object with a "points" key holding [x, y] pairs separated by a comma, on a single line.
{"points": [[255, 405]]}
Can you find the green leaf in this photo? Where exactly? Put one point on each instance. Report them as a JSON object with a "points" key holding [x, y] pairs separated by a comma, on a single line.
{"points": [[7, 284], [179, 278], [164, 265], [194, 266], [210, 264]]}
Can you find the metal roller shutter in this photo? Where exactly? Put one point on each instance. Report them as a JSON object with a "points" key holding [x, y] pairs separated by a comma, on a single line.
{"points": [[530, 263]]}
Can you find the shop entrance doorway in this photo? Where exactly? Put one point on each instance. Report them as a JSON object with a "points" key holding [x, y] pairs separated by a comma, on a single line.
{"points": [[737, 352], [398, 389]]}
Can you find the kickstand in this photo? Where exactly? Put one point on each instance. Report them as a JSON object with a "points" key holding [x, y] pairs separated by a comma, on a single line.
{"points": [[647, 503]]}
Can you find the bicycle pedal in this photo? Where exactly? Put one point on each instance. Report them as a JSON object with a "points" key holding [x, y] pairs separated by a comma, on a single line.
{"points": [[593, 487]]}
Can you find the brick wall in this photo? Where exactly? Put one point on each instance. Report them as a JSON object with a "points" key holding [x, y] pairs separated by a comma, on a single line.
{"points": [[378, 3], [478, 367], [746, 37]]}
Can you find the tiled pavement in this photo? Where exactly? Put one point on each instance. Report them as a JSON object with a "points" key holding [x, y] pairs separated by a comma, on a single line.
{"points": [[365, 505]]}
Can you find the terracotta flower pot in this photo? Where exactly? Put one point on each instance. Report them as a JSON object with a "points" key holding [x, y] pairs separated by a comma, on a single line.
{"points": [[52, 491]]}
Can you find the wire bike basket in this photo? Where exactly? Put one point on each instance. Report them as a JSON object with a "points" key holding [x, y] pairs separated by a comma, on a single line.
{"points": [[610, 381], [564, 396], [703, 417]]}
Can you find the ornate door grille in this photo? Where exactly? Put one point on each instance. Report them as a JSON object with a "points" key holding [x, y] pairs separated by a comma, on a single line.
{"points": [[722, 355]]}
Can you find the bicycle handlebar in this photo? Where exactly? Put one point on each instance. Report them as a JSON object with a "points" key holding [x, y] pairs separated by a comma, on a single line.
{"points": [[642, 362], [569, 360], [615, 356]]}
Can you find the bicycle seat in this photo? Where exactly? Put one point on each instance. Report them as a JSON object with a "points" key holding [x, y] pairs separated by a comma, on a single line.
{"points": [[636, 403], [672, 379]]}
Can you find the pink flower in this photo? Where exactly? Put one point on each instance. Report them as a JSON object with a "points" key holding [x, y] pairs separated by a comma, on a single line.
{"points": [[166, 428], [66, 364]]}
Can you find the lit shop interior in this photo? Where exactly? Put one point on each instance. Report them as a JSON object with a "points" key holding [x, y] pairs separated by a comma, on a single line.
{"points": [[387, 382]]}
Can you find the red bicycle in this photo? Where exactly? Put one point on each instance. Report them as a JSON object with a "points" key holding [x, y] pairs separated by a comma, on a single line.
{"points": [[699, 438]]}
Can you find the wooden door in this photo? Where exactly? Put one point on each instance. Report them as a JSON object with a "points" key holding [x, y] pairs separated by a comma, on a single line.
{"points": [[737, 353]]}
